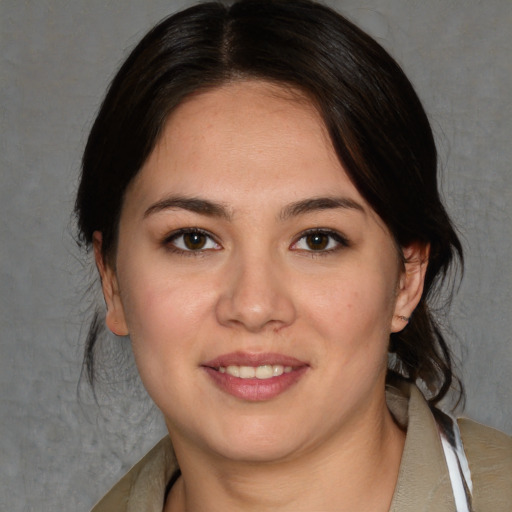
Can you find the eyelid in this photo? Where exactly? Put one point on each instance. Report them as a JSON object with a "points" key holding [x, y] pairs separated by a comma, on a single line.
{"points": [[171, 237], [340, 239]]}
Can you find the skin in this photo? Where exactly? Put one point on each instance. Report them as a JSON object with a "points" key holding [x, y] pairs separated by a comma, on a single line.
{"points": [[255, 150]]}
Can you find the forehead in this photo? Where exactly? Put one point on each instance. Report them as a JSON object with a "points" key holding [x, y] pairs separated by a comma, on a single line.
{"points": [[248, 121], [240, 113], [235, 98], [247, 144]]}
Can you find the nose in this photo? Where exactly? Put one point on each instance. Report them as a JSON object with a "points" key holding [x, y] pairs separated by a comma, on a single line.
{"points": [[255, 297]]}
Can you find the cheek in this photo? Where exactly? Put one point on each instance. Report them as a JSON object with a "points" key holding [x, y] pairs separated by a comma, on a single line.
{"points": [[165, 320], [163, 313], [352, 314], [357, 300]]}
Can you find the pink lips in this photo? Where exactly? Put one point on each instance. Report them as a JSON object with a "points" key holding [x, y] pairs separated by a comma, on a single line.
{"points": [[253, 389]]}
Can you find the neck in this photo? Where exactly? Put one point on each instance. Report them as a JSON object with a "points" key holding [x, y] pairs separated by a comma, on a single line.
{"points": [[356, 469]]}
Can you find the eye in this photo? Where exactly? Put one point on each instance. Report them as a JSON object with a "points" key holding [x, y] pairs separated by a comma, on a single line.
{"points": [[320, 241], [192, 240]]}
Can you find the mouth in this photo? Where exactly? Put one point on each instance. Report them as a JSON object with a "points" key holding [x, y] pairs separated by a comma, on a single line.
{"points": [[262, 372], [255, 377]]}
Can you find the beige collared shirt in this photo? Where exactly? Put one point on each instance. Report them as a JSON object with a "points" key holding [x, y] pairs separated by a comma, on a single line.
{"points": [[423, 481]]}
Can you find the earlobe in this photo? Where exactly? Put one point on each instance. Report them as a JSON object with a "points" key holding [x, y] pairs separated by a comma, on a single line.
{"points": [[410, 286], [114, 319]]}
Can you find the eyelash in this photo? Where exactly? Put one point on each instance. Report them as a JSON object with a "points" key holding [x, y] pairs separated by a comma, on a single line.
{"points": [[340, 241], [170, 242]]}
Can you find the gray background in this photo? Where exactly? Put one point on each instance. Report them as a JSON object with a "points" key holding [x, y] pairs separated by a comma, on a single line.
{"points": [[57, 56]]}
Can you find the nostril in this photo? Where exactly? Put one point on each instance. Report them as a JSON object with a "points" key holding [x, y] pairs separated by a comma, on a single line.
{"points": [[256, 307]]}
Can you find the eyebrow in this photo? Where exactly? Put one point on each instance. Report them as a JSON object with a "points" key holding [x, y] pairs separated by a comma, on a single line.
{"points": [[318, 204], [192, 204], [213, 209]]}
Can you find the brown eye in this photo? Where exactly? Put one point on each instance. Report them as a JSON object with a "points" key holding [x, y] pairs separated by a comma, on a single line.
{"points": [[194, 241], [317, 241], [320, 241]]}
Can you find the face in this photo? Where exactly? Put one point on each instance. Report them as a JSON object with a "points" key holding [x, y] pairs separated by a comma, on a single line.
{"points": [[258, 287]]}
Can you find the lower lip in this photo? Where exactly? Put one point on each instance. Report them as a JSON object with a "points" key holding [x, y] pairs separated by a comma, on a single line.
{"points": [[256, 390]]}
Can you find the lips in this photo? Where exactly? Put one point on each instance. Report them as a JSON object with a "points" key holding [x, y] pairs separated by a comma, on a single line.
{"points": [[253, 359], [255, 377]]}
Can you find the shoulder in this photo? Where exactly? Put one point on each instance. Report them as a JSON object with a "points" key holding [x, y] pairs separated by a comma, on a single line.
{"points": [[144, 484], [486, 447], [116, 499], [489, 454]]}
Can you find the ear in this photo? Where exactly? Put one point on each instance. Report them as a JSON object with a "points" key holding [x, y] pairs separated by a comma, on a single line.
{"points": [[115, 319], [410, 285]]}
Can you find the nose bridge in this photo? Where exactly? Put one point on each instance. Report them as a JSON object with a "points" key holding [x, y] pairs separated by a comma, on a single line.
{"points": [[256, 294]]}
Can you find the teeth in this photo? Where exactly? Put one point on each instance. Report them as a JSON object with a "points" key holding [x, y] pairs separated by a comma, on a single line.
{"points": [[247, 372], [277, 370], [266, 371], [233, 370]]}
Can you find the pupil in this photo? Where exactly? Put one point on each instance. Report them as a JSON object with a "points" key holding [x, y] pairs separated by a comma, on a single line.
{"points": [[317, 242], [194, 241]]}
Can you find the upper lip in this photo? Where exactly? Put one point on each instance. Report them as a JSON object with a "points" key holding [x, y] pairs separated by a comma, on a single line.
{"points": [[253, 359]]}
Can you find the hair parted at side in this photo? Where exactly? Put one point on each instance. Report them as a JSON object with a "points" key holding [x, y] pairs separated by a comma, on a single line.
{"points": [[375, 120]]}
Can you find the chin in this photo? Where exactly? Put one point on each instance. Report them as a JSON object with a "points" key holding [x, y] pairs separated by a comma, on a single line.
{"points": [[258, 443], [253, 452]]}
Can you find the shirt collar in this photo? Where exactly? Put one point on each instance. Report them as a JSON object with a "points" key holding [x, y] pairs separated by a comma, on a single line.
{"points": [[423, 480]]}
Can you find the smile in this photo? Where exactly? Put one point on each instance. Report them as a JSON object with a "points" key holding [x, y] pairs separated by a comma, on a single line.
{"points": [[263, 372], [255, 377]]}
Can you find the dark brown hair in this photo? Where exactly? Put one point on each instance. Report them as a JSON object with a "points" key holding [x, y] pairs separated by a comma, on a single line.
{"points": [[375, 120]]}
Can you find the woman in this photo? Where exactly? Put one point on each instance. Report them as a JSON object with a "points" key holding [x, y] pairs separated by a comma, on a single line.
{"points": [[259, 188]]}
